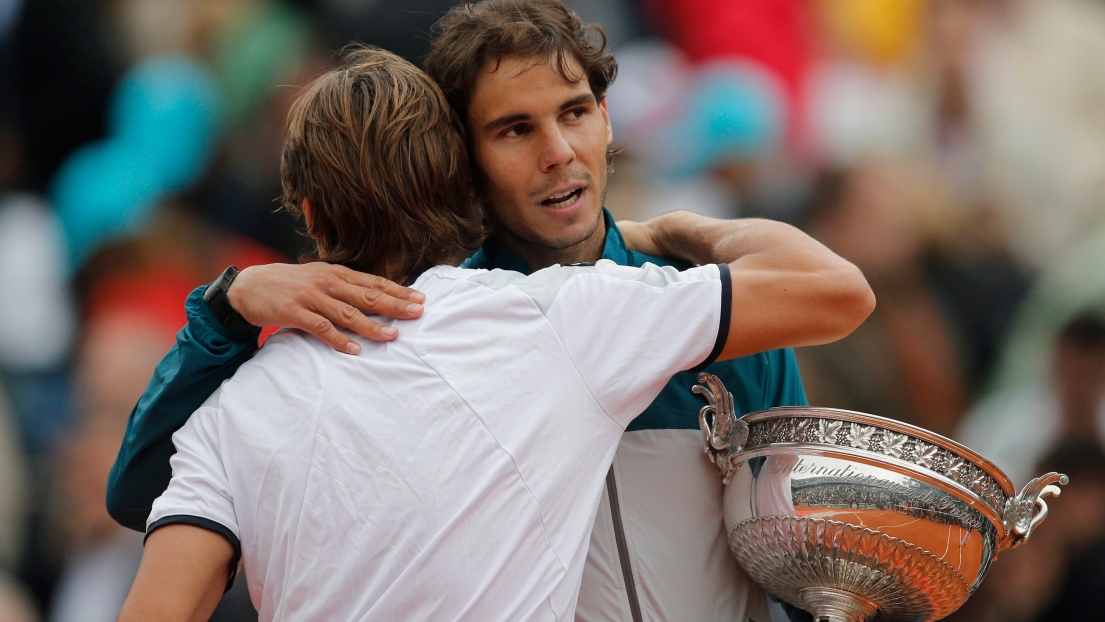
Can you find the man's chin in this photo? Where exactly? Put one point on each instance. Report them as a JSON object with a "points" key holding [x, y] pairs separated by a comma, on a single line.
{"points": [[551, 234], [572, 233], [561, 244]]}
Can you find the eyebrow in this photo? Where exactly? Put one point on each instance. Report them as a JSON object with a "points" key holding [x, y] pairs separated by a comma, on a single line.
{"points": [[586, 98], [510, 119]]}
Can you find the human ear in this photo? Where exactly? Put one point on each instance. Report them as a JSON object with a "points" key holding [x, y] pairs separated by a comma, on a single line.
{"points": [[308, 211]]}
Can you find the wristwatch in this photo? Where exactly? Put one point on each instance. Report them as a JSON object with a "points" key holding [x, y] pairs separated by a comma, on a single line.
{"points": [[215, 297]]}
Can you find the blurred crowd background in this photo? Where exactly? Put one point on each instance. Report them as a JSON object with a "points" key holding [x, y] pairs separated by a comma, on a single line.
{"points": [[953, 149]]}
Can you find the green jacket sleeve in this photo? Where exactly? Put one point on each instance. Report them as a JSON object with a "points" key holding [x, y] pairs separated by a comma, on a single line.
{"points": [[204, 356]]}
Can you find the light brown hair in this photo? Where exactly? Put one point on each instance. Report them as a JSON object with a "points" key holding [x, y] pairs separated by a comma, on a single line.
{"points": [[376, 148], [471, 35]]}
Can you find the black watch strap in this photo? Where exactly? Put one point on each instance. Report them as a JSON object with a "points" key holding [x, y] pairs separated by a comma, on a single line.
{"points": [[217, 301]]}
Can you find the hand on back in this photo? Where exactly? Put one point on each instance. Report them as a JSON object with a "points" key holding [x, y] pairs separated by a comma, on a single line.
{"points": [[318, 297]]}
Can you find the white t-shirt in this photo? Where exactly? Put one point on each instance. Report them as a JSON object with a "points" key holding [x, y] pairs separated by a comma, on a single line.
{"points": [[451, 474]]}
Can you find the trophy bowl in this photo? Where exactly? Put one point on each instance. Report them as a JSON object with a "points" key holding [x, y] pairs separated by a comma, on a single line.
{"points": [[857, 518]]}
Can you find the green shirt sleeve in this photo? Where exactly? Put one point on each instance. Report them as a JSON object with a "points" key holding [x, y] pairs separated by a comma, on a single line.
{"points": [[204, 356], [783, 385]]}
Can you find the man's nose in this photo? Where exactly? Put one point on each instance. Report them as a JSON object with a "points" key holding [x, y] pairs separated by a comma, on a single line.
{"points": [[557, 150]]}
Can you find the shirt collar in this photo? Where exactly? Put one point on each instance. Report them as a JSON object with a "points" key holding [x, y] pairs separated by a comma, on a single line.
{"points": [[494, 255], [414, 276]]}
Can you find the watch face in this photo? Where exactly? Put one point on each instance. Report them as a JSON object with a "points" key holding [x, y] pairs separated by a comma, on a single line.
{"points": [[211, 291], [219, 287]]}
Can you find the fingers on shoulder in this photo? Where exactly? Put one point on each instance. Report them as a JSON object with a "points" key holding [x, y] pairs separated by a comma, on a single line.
{"points": [[325, 330]]}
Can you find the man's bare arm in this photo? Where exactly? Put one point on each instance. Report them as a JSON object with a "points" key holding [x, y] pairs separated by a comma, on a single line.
{"points": [[183, 575], [789, 290], [317, 297]]}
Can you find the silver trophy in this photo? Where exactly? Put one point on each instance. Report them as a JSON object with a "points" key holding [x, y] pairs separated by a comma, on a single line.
{"points": [[857, 518]]}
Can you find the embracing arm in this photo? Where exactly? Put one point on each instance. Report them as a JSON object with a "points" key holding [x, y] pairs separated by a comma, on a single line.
{"points": [[788, 290], [313, 297], [204, 356], [182, 576]]}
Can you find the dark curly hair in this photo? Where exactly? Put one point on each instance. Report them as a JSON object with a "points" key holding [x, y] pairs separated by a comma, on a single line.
{"points": [[471, 35]]}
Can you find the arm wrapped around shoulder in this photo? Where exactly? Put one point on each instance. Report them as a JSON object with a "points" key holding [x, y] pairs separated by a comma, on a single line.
{"points": [[788, 289]]}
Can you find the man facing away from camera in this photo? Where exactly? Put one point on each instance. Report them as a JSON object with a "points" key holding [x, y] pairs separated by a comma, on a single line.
{"points": [[529, 80]]}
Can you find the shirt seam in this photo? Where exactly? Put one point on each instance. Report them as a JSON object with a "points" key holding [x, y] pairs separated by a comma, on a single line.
{"points": [[513, 460], [294, 547], [575, 365]]}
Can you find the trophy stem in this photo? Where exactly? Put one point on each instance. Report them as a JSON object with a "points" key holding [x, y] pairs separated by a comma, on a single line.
{"points": [[829, 605]]}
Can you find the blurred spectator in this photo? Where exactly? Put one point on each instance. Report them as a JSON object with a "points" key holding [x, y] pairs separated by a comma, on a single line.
{"points": [[704, 133], [865, 98], [15, 604], [1076, 516], [150, 275], [402, 27], [65, 65], [239, 194], [1014, 428], [1059, 574], [37, 320], [859, 111], [621, 20], [881, 32], [955, 138], [652, 77], [120, 347], [980, 287], [163, 123], [729, 114], [256, 54], [13, 491], [1038, 82], [132, 292], [1070, 285], [902, 362], [101, 557], [9, 16], [777, 35]]}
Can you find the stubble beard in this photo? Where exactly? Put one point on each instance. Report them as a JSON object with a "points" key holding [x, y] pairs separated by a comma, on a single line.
{"points": [[539, 250]]}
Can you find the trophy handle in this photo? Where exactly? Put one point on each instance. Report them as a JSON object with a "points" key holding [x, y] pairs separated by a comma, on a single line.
{"points": [[725, 432], [1028, 509]]}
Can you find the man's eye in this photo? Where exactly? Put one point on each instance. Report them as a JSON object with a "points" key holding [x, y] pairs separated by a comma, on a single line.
{"points": [[517, 130], [577, 113]]}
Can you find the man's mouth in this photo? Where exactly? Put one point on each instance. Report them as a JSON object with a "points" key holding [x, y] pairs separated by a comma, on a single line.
{"points": [[562, 200]]}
